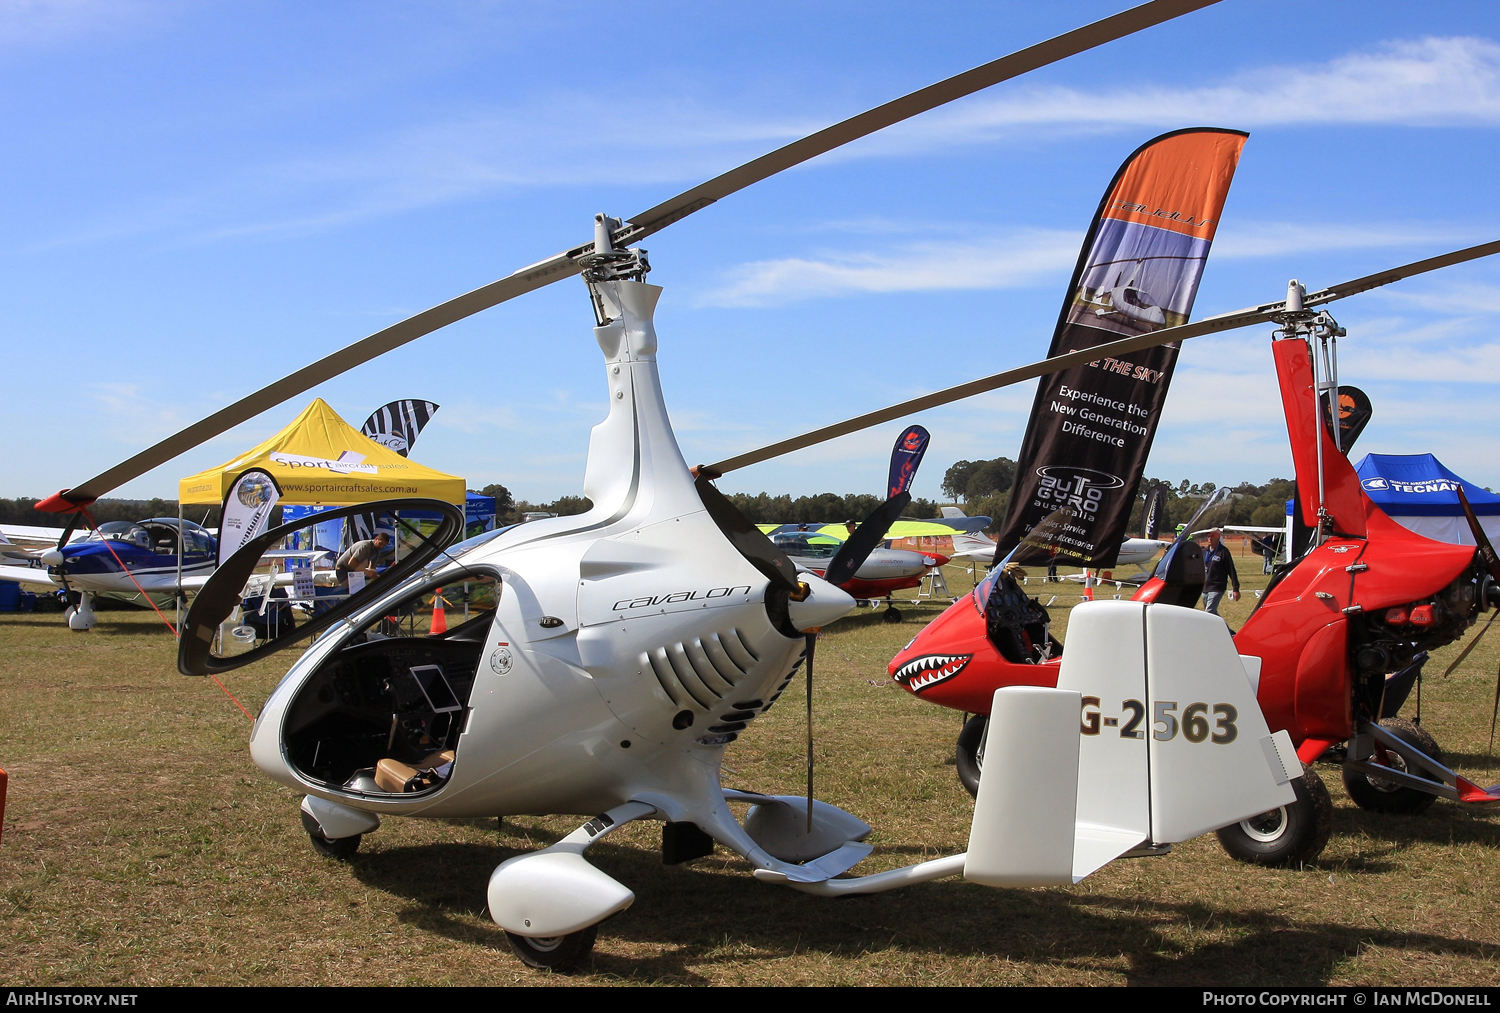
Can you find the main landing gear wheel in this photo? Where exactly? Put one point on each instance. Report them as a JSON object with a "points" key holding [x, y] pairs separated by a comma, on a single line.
{"points": [[1289, 835], [557, 953], [891, 615], [342, 848], [1381, 796], [969, 756]]}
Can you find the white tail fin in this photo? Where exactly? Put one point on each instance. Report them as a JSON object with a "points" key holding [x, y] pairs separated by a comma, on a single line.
{"points": [[1170, 744], [1023, 828]]}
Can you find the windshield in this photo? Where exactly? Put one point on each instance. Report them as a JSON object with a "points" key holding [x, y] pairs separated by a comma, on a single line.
{"points": [[801, 543], [121, 531], [1211, 516]]}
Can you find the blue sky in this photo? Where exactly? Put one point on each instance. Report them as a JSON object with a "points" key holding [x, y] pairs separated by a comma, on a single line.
{"points": [[199, 198]]}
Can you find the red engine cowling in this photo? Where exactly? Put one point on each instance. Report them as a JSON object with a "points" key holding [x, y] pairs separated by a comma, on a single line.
{"points": [[953, 664]]}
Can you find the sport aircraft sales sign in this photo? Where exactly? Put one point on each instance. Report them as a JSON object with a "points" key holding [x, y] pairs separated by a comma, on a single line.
{"points": [[1091, 426]]}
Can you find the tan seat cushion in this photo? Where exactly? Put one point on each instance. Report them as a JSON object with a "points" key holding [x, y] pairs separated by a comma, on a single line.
{"points": [[393, 775]]}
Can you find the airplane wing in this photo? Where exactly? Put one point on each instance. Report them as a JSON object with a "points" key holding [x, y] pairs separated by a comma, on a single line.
{"points": [[31, 535], [28, 575]]}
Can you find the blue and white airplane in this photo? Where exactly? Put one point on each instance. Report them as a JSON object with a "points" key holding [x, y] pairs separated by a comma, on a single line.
{"points": [[122, 559], [130, 560]]}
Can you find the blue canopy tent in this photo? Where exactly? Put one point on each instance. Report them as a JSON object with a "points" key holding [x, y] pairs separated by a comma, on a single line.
{"points": [[479, 515], [1417, 492]]}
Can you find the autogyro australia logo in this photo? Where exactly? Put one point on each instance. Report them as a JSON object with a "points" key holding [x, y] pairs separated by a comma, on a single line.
{"points": [[1078, 489]]}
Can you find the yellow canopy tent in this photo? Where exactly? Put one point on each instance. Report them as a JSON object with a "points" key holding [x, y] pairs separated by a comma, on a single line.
{"points": [[320, 459]]}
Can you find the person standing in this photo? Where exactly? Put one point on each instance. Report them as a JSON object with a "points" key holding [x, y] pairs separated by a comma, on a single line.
{"points": [[362, 557], [1218, 572]]}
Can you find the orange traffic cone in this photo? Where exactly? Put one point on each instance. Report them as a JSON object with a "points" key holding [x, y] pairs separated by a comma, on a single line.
{"points": [[439, 620]]}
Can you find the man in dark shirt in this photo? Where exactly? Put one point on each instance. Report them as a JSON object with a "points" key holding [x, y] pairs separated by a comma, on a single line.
{"points": [[1218, 570], [361, 556]]}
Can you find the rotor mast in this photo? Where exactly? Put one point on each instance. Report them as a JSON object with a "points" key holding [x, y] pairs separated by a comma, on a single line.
{"points": [[1321, 333]]}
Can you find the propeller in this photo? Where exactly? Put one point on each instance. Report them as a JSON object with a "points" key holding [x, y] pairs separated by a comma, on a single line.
{"points": [[906, 456], [1492, 564], [748, 539], [1481, 540], [1265, 313], [611, 236]]}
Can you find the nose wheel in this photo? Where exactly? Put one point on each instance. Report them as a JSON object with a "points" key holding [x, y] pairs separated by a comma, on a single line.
{"points": [[555, 953], [1382, 796]]}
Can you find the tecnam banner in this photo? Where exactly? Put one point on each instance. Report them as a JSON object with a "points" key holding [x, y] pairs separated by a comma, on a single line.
{"points": [[1091, 426]]}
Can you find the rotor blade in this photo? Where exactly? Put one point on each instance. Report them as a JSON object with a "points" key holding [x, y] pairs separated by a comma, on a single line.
{"points": [[970, 81], [1370, 281], [525, 280], [648, 222], [1265, 313]]}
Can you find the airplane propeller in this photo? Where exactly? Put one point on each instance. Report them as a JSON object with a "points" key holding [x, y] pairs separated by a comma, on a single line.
{"points": [[612, 236], [1492, 564], [906, 458]]}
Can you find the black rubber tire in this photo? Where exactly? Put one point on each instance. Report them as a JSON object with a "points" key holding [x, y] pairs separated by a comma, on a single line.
{"points": [[1382, 796], [557, 954], [1292, 835], [968, 757], [891, 615], [341, 848]]}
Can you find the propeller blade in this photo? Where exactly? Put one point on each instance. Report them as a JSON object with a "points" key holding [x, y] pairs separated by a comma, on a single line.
{"points": [[1472, 644], [1481, 540], [852, 554], [1265, 313], [758, 550], [648, 222]]}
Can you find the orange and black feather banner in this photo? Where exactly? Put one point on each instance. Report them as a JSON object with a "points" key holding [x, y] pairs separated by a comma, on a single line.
{"points": [[1092, 425]]}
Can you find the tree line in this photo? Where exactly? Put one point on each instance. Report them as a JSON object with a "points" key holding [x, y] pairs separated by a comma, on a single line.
{"points": [[981, 487]]}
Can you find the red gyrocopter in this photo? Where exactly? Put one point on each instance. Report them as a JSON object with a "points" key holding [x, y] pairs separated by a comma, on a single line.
{"points": [[1334, 644]]}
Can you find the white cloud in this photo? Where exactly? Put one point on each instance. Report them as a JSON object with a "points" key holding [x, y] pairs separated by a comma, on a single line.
{"points": [[1452, 81], [1008, 261], [33, 23], [563, 140], [1243, 240]]}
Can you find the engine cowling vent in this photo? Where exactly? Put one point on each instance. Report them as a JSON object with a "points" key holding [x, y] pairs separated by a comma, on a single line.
{"points": [[703, 672]]}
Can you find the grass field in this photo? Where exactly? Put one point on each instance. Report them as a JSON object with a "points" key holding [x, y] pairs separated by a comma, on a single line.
{"points": [[142, 847]]}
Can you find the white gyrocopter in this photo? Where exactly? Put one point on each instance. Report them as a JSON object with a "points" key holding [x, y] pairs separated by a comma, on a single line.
{"points": [[609, 658]]}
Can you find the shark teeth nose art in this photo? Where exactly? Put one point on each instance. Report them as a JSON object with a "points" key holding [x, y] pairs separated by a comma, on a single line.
{"points": [[930, 669]]}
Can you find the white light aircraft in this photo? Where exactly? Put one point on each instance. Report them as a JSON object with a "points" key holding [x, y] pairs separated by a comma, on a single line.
{"points": [[625, 648]]}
